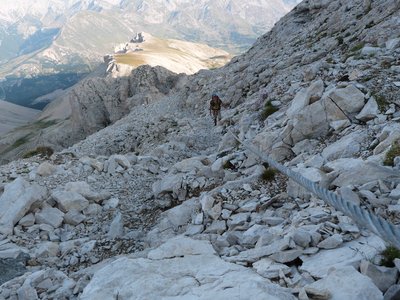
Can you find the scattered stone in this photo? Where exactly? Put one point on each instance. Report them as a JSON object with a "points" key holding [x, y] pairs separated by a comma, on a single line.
{"points": [[255, 254], [349, 99], [349, 254], [46, 169], [382, 277], [344, 283], [286, 256], [10, 268], [51, 216], [196, 265], [74, 217], [70, 200], [217, 226], [331, 242], [369, 111], [392, 293], [47, 249], [302, 238], [116, 227], [269, 269], [27, 221], [273, 221], [15, 202]]}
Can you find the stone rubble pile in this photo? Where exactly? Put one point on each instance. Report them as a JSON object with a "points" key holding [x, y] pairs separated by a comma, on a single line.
{"points": [[163, 204]]}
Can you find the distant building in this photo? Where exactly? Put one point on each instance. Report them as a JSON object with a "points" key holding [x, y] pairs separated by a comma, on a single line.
{"points": [[139, 38]]}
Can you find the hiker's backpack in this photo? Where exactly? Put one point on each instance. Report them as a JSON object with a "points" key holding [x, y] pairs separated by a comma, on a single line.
{"points": [[215, 103]]}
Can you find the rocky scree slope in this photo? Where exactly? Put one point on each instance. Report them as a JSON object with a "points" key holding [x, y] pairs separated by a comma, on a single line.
{"points": [[91, 105], [201, 193]]}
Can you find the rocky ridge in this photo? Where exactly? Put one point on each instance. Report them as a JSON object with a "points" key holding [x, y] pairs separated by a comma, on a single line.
{"points": [[145, 49], [185, 207]]}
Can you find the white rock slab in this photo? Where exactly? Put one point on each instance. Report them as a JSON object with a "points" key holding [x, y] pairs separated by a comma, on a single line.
{"points": [[302, 98], [116, 228], [255, 254], [181, 246], [349, 254], [51, 216], [350, 99], [15, 202], [169, 183], [346, 283], [393, 43], [70, 200], [84, 189], [270, 269], [347, 146], [357, 172], [369, 111], [46, 169], [203, 276]]}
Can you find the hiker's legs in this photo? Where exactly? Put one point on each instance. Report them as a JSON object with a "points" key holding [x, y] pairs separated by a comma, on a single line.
{"points": [[215, 116]]}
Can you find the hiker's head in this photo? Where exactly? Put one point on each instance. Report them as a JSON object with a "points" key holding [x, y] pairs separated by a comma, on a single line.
{"points": [[214, 95]]}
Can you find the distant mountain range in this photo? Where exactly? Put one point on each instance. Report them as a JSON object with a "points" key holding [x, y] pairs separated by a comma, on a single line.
{"points": [[154, 51], [58, 42]]}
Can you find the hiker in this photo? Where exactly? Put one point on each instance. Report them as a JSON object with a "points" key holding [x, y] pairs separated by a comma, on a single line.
{"points": [[215, 108]]}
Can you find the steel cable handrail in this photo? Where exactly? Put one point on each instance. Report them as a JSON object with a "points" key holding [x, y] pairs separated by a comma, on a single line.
{"points": [[386, 230]]}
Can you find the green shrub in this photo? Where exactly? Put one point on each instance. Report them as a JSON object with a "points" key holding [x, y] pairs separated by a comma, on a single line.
{"points": [[268, 110], [43, 151], [44, 124], [228, 165], [381, 101], [370, 24], [357, 47], [386, 64], [20, 141], [268, 174], [391, 154], [388, 256]]}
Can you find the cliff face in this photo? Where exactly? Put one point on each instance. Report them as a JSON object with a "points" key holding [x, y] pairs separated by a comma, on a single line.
{"points": [[195, 215]]}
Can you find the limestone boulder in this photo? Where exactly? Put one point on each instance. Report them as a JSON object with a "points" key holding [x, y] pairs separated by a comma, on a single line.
{"points": [[70, 200], [169, 184], [46, 169], [189, 165], [349, 254], [272, 143], [313, 174], [15, 202], [350, 99], [51, 216], [84, 189], [382, 277], [345, 283], [313, 121], [393, 43], [347, 146], [181, 269], [352, 171], [302, 98], [270, 269], [388, 136], [369, 111]]}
